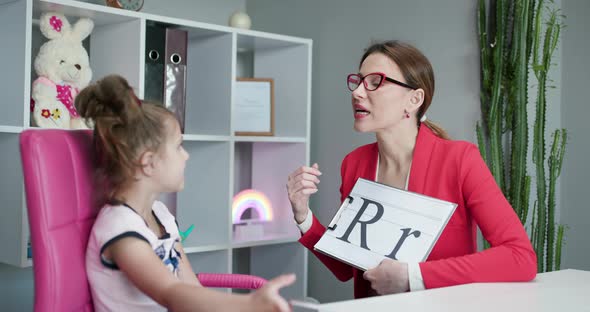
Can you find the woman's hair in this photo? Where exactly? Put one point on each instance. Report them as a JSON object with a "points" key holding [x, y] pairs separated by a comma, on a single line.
{"points": [[124, 128], [417, 72]]}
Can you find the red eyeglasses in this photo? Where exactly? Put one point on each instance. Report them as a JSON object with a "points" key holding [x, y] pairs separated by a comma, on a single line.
{"points": [[372, 81]]}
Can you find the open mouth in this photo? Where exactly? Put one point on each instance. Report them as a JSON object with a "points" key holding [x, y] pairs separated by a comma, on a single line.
{"points": [[360, 111]]}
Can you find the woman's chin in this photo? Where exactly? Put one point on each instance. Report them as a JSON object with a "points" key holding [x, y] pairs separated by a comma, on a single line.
{"points": [[361, 128]]}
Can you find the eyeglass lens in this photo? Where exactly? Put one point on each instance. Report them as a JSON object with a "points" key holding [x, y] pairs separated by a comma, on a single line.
{"points": [[371, 81]]}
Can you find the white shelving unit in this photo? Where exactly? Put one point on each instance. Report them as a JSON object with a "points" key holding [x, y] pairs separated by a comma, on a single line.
{"points": [[221, 164]]}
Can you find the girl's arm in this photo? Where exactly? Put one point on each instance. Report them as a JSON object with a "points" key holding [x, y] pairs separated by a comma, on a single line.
{"points": [[145, 270], [185, 271]]}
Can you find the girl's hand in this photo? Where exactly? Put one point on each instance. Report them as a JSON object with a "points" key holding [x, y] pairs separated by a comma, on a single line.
{"points": [[268, 298], [300, 185]]}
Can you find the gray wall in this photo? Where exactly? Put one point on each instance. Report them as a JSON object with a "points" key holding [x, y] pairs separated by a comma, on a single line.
{"points": [[575, 111], [16, 285], [341, 29]]}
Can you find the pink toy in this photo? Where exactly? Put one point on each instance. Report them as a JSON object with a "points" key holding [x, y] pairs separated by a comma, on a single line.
{"points": [[63, 68]]}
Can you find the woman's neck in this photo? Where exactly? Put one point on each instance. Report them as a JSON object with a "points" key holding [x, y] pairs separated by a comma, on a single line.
{"points": [[396, 147]]}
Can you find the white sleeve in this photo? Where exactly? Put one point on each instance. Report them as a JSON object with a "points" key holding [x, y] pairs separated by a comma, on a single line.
{"points": [[415, 277], [307, 223], [114, 223]]}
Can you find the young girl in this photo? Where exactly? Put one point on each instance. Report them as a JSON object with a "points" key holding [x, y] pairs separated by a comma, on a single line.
{"points": [[134, 259]]}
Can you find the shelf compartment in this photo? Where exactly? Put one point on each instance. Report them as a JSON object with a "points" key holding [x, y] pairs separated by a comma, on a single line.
{"points": [[208, 80], [15, 87], [114, 46], [264, 167], [205, 198], [285, 259], [13, 224], [210, 262], [288, 62]]}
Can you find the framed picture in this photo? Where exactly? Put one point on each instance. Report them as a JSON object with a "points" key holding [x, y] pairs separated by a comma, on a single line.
{"points": [[254, 107]]}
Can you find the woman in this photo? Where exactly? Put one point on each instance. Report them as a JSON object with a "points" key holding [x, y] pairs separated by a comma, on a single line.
{"points": [[390, 96]]}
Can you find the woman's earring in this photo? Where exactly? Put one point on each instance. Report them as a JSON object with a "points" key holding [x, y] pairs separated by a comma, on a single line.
{"points": [[406, 115]]}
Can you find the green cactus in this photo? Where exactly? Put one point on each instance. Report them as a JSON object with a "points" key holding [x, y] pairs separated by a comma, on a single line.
{"points": [[506, 46]]}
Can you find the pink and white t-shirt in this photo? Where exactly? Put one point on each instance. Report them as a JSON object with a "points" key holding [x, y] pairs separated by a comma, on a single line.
{"points": [[110, 288]]}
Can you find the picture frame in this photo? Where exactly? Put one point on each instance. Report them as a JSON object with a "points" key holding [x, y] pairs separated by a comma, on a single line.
{"points": [[254, 107]]}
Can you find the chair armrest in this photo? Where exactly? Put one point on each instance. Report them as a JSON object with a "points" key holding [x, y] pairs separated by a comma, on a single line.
{"points": [[221, 280]]}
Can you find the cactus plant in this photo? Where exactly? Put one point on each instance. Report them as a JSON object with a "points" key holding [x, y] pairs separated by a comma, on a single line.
{"points": [[506, 46]]}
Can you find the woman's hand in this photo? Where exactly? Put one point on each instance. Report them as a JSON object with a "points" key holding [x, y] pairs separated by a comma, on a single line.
{"points": [[300, 185], [389, 277], [268, 298]]}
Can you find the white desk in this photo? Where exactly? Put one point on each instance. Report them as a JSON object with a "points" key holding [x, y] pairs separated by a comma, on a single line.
{"points": [[566, 290]]}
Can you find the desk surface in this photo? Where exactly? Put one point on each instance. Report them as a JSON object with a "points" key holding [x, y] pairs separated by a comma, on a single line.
{"points": [[566, 290]]}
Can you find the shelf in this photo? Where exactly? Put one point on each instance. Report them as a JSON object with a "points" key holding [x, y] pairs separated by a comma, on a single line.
{"points": [[11, 129], [205, 248], [199, 137], [251, 40], [267, 240], [269, 139], [220, 164], [224, 138]]}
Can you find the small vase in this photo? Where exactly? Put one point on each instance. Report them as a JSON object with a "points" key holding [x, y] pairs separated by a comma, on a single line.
{"points": [[240, 19]]}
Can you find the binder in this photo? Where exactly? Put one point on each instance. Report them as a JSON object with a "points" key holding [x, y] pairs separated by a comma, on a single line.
{"points": [[175, 62], [155, 39]]}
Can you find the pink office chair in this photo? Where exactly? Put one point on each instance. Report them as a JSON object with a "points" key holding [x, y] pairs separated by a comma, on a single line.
{"points": [[57, 167]]}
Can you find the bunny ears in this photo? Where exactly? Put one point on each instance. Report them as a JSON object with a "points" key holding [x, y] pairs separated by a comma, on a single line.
{"points": [[55, 25]]}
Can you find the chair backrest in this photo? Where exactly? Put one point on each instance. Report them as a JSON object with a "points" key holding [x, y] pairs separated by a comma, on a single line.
{"points": [[57, 166]]}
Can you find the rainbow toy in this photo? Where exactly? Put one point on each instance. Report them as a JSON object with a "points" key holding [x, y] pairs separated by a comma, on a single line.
{"points": [[251, 199]]}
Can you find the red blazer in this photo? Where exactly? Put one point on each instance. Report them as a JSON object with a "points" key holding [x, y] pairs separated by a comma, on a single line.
{"points": [[452, 171]]}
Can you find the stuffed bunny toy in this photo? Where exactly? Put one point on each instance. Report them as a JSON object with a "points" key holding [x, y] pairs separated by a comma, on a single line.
{"points": [[63, 68]]}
